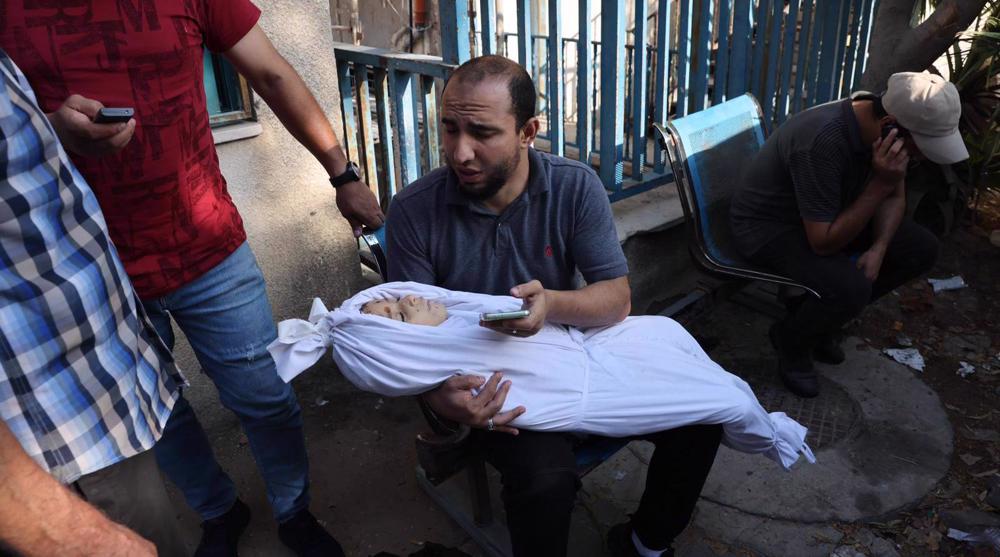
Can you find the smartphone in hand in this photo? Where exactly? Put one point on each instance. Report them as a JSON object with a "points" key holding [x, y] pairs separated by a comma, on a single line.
{"points": [[504, 315], [113, 115], [901, 133]]}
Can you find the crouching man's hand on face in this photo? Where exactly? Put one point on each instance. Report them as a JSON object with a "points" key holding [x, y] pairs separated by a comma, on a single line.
{"points": [[73, 123], [456, 400]]}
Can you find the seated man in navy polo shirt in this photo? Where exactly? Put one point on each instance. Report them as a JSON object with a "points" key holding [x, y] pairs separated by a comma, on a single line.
{"points": [[823, 204], [502, 218]]}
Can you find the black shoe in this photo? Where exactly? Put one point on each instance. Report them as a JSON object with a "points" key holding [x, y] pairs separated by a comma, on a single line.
{"points": [[794, 366], [620, 542], [221, 535], [304, 535], [828, 351]]}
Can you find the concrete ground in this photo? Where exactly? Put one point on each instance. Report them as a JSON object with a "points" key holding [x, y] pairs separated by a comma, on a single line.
{"points": [[881, 437]]}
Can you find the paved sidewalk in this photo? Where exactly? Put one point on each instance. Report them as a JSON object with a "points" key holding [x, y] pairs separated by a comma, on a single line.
{"points": [[881, 437]]}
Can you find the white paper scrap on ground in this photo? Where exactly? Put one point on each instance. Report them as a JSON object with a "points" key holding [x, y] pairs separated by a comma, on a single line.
{"points": [[987, 536], [909, 357], [954, 283], [965, 369]]}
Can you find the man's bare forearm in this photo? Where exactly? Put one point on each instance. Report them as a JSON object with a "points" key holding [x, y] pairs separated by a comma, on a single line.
{"points": [[298, 111], [830, 238], [39, 516], [887, 219], [601, 303], [281, 87]]}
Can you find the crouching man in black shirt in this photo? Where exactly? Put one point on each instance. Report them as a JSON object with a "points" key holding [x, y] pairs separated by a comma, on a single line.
{"points": [[823, 203]]}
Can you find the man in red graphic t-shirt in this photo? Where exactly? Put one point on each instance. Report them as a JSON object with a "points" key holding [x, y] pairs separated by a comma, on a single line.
{"points": [[175, 226]]}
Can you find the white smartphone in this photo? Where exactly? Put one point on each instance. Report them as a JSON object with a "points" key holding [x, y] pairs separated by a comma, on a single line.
{"points": [[504, 315]]}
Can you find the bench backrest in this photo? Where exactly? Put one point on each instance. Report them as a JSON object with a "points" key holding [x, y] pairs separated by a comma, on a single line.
{"points": [[708, 152]]}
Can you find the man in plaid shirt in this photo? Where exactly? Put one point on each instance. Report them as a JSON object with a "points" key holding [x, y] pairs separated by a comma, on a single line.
{"points": [[85, 386]]}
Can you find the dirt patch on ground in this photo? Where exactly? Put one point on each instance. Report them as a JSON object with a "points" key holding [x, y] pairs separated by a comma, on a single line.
{"points": [[958, 335]]}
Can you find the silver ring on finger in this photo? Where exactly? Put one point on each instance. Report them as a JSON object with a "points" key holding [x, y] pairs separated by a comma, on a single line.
{"points": [[514, 332], [489, 425]]}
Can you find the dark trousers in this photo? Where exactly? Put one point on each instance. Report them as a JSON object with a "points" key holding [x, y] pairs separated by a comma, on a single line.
{"points": [[844, 291], [132, 493], [540, 483]]}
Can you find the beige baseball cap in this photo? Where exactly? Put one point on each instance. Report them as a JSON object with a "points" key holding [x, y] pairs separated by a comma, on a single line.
{"points": [[929, 107]]}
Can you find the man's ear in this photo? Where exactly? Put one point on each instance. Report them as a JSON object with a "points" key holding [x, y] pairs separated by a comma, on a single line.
{"points": [[529, 131]]}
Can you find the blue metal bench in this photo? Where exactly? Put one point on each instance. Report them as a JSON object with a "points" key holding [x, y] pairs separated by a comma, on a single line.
{"points": [[474, 513], [708, 151]]}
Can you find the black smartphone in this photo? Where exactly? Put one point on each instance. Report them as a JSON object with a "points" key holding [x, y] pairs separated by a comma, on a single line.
{"points": [[113, 115], [901, 133]]}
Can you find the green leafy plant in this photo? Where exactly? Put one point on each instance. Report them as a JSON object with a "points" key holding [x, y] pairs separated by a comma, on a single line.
{"points": [[974, 68]]}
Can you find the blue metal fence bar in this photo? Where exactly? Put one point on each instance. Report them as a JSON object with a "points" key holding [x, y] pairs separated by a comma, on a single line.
{"points": [[366, 138], [699, 89], [815, 47], [838, 59], [524, 43], [867, 13], [661, 88], [639, 65], [455, 22], [430, 135], [628, 101], [788, 48], [773, 63], [584, 84], [347, 109], [852, 49], [539, 73], [594, 69], [722, 57], [759, 42], [488, 17], [402, 87], [683, 57], [798, 89], [555, 73], [382, 111], [612, 93], [739, 64], [824, 81]]}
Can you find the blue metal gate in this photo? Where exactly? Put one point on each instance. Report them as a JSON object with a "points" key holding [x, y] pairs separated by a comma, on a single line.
{"points": [[670, 58]]}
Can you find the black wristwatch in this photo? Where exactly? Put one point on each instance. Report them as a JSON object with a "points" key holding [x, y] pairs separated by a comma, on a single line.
{"points": [[351, 174]]}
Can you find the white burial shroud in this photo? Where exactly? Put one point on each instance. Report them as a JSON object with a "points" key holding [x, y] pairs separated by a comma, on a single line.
{"points": [[642, 375]]}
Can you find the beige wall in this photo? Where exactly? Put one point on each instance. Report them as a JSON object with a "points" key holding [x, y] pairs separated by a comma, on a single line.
{"points": [[303, 245]]}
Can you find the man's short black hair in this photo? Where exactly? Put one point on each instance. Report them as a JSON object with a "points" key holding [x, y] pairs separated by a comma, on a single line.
{"points": [[522, 90], [876, 99], [877, 106]]}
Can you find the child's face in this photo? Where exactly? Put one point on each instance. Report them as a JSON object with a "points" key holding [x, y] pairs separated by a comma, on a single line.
{"points": [[409, 309]]}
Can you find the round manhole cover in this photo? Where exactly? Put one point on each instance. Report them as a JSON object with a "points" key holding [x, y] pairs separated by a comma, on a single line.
{"points": [[830, 417]]}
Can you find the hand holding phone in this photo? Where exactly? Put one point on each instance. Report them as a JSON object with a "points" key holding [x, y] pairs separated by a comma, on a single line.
{"points": [[889, 158], [504, 315], [113, 115], [77, 123]]}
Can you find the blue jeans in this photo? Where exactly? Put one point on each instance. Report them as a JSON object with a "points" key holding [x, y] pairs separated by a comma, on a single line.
{"points": [[226, 318]]}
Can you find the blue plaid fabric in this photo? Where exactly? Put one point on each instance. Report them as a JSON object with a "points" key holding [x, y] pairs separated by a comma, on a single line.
{"points": [[85, 382]]}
